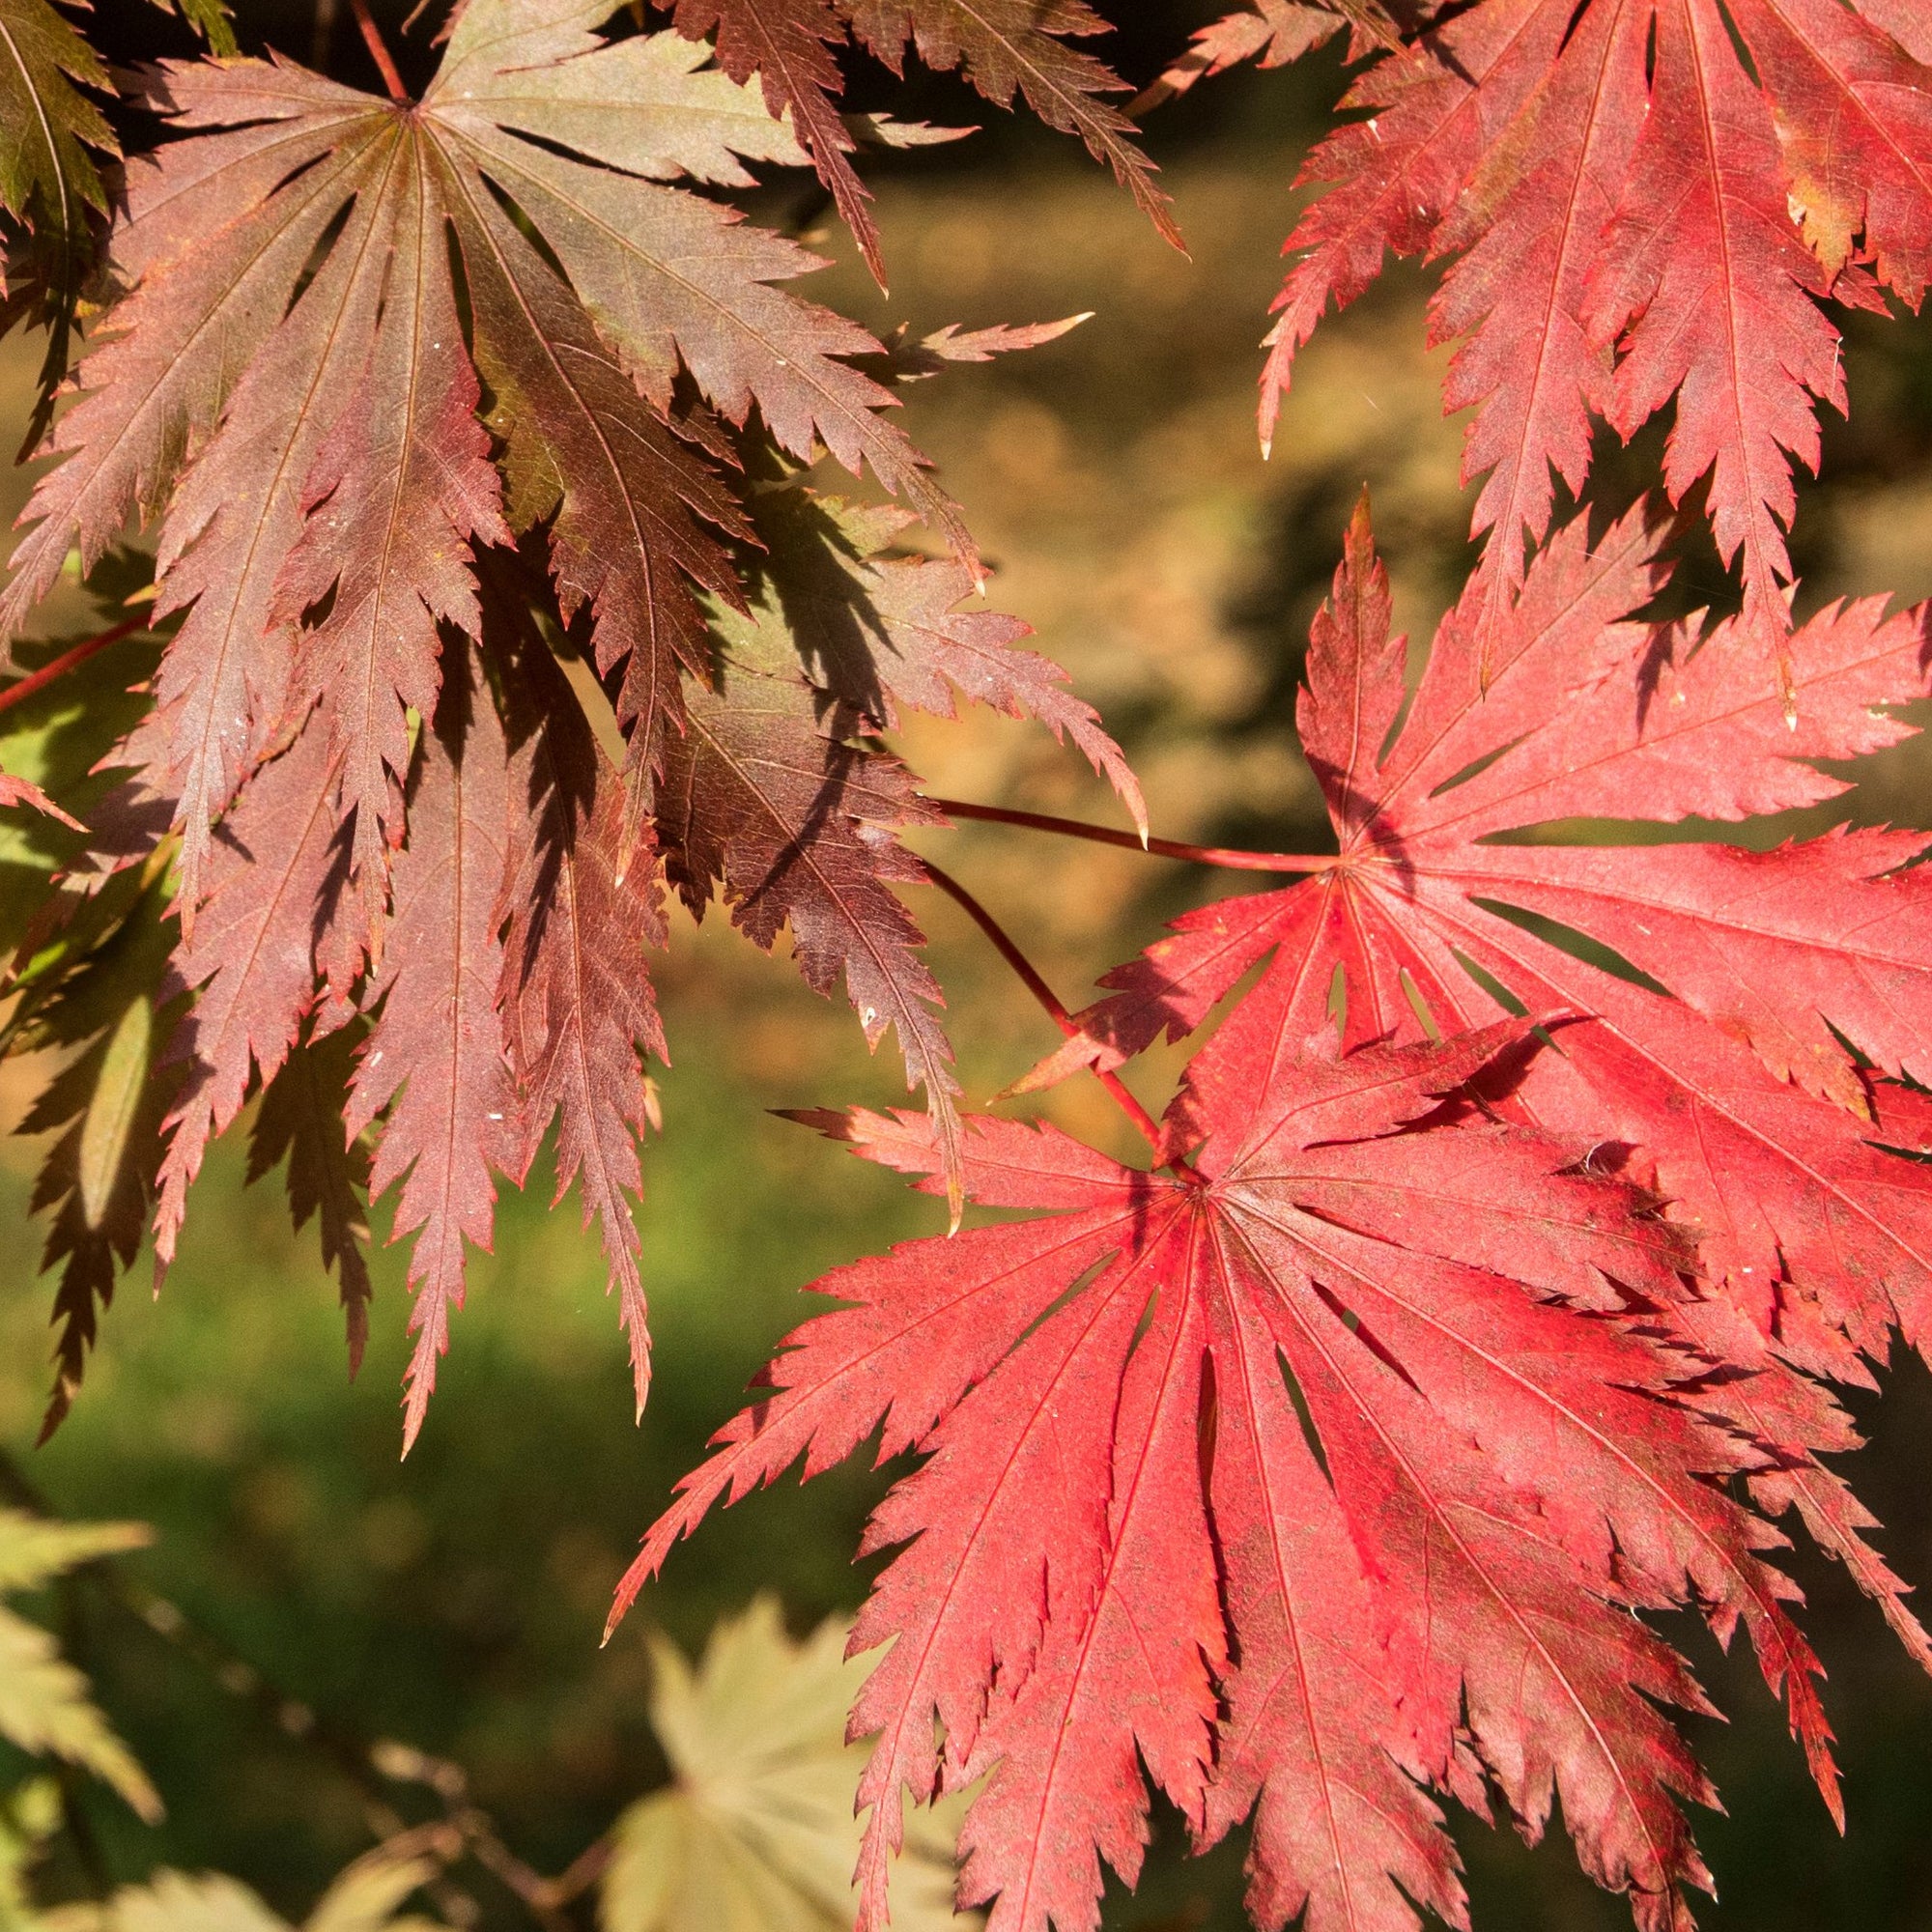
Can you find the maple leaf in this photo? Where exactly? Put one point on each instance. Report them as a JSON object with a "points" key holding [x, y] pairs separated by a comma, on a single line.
{"points": [[251, 961], [1636, 216], [438, 1037], [576, 1000], [768, 803], [378, 369], [1006, 46], [50, 183], [875, 630], [292, 336], [1320, 1468], [1715, 988], [756, 1834]]}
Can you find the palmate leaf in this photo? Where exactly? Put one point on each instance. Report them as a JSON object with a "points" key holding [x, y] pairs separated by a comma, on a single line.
{"points": [[1714, 1043], [1398, 1567], [756, 1834], [578, 1012], [438, 1037], [1717, 1042], [44, 1706], [299, 473], [1635, 216], [877, 630], [773, 808], [1322, 1469]]}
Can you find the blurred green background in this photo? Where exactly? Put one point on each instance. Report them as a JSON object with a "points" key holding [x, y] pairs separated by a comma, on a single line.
{"points": [[456, 1601]]}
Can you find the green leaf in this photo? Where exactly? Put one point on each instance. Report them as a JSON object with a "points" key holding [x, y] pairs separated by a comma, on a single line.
{"points": [[117, 1098], [29, 1816], [366, 1896], [44, 1706], [34, 1550], [97, 1179], [211, 19], [363, 1900], [172, 1902], [757, 1835]]}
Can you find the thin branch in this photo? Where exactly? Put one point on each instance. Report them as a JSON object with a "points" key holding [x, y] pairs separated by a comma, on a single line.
{"points": [[373, 1767], [378, 52], [583, 1871], [17, 693], [1030, 977], [1231, 857]]}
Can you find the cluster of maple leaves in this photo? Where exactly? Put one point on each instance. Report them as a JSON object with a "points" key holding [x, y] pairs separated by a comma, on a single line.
{"points": [[414, 393], [1495, 1259]]}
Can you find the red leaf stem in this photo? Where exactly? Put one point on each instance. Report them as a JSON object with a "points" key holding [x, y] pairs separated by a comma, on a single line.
{"points": [[1030, 977], [69, 660], [378, 52], [1231, 857]]}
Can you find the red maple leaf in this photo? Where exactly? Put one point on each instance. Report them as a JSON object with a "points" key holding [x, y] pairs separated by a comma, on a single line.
{"points": [[1320, 1468], [1635, 216], [1714, 989]]}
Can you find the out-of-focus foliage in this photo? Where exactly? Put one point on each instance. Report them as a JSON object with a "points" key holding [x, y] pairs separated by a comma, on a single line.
{"points": [[46, 1709], [366, 1898], [29, 1817], [756, 1834]]}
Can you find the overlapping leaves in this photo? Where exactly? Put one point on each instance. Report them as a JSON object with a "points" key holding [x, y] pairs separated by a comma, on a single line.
{"points": [[418, 395], [53, 139], [1740, 1048], [1001, 47], [1317, 1470], [45, 1707], [1268, 1474], [756, 1832], [1644, 202]]}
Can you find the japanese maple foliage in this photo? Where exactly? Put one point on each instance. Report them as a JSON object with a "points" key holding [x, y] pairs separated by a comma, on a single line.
{"points": [[1643, 202], [1741, 1051], [1289, 1466], [1286, 1469], [387, 375], [1001, 47], [1494, 1261], [1740, 1046]]}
